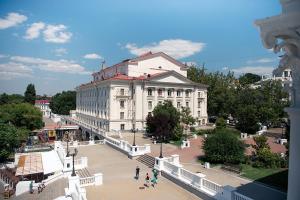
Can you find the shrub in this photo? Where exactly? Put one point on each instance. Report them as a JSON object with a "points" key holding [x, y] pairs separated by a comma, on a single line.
{"points": [[223, 146], [220, 123]]}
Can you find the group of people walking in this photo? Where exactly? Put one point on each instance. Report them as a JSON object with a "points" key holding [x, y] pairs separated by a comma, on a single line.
{"points": [[147, 178], [41, 187]]}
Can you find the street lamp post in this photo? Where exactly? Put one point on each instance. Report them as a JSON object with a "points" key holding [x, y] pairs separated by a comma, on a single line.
{"points": [[73, 155], [67, 133], [133, 130], [91, 134], [161, 141]]}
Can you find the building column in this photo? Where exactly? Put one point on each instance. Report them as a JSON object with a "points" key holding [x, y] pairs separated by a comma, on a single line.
{"points": [[281, 33]]}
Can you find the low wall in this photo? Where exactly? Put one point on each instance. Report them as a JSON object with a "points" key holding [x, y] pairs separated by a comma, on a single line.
{"points": [[195, 183]]}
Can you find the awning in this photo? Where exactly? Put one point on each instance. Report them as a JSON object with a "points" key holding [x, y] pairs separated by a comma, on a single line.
{"points": [[30, 164], [42, 162], [51, 162]]}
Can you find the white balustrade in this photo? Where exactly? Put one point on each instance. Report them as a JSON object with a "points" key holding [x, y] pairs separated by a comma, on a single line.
{"points": [[238, 196], [87, 181], [212, 186]]}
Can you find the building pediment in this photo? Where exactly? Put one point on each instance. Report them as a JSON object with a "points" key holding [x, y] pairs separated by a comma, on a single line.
{"points": [[172, 77]]}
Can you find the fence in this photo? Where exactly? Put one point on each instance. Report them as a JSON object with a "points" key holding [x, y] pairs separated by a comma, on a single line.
{"points": [[196, 182], [212, 186], [87, 181], [122, 145], [238, 196]]}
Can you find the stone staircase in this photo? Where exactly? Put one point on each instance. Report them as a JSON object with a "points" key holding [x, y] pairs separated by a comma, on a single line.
{"points": [[147, 160], [82, 173]]}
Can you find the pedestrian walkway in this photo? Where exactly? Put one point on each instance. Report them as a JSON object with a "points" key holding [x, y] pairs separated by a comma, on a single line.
{"points": [[51, 191], [118, 178], [189, 159]]}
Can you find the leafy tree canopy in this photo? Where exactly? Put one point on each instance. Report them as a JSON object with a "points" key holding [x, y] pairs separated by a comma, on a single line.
{"points": [[22, 115], [249, 78], [223, 147], [13, 98], [30, 94], [62, 103], [227, 95], [163, 122]]}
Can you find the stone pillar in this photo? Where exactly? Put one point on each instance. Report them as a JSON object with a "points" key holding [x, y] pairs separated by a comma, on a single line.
{"points": [[73, 180], [175, 159], [281, 33], [227, 193], [98, 179], [159, 164], [294, 150]]}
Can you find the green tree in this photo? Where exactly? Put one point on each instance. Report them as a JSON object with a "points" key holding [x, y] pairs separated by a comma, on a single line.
{"points": [[62, 103], [261, 142], [249, 78], [10, 138], [13, 98], [220, 92], [223, 146], [247, 119], [263, 157], [163, 122], [186, 119], [30, 94], [21, 115], [220, 123]]}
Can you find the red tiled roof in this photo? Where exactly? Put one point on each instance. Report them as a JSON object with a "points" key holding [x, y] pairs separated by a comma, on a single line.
{"points": [[41, 101]]}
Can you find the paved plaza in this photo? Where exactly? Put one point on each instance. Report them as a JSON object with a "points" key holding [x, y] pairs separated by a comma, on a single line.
{"points": [[118, 177], [189, 160]]}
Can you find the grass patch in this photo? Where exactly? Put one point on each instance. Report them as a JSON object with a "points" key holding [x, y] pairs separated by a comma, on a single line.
{"points": [[276, 177]]}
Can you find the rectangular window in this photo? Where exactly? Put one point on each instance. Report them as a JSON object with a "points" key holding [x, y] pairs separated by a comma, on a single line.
{"points": [[149, 92], [199, 94], [187, 104], [169, 93], [122, 92], [199, 104], [149, 105], [178, 93], [121, 115], [122, 104], [187, 93], [159, 92], [122, 127], [178, 104], [199, 113], [159, 102]]}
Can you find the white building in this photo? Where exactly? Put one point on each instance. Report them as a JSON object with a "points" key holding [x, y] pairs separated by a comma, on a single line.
{"points": [[121, 96], [43, 105]]}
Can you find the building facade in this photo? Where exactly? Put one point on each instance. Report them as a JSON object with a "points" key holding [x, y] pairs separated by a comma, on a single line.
{"points": [[120, 97], [43, 105]]}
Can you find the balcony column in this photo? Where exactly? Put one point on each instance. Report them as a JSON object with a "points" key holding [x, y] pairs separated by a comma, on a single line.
{"points": [[282, 33]]}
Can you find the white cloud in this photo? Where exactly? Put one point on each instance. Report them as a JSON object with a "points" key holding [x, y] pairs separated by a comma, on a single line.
{"points": [[176, 48], [62, 66], [34, 30], [262, 60], [57, 34], [13, 70], [60, 51], [92, 56], [224, 68], [3, 56], [260, 70], [12, 19]]}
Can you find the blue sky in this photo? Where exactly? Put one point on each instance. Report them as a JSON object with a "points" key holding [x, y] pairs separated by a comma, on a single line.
{"points": [[56, 44]]}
